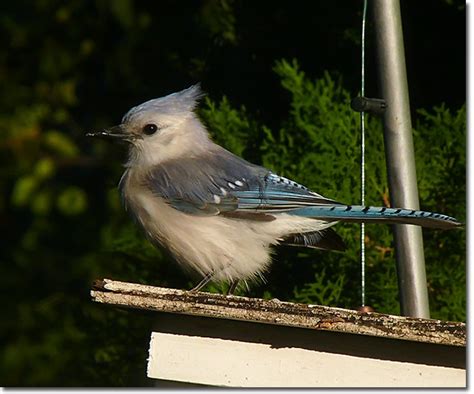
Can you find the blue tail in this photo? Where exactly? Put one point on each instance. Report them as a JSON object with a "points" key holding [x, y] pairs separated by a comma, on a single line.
{"points": [[358, 213]]}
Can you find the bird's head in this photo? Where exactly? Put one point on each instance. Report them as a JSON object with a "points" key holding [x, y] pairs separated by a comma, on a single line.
{"points": [[161, 129]]}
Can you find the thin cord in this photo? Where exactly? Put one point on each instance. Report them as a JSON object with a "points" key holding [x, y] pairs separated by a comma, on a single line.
{"points": [[362, 166]]}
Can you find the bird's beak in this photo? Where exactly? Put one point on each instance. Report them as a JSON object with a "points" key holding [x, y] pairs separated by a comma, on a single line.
{"points": [[113, 133]]}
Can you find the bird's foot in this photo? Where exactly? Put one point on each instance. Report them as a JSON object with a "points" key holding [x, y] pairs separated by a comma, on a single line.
{"points": [[232, 287], [203, 282]]}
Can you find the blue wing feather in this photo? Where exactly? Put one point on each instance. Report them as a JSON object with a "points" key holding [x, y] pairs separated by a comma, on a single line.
{"points": [[222, 183]]}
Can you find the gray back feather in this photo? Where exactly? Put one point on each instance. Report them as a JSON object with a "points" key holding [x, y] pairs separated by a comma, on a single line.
{"points": [[200, 184]]}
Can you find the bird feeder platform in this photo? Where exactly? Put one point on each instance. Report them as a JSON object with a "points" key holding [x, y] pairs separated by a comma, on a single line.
{"points": [[211, 339]]}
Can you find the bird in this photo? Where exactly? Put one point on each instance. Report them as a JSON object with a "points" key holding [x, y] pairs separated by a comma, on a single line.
{"points": [[217, 214]]}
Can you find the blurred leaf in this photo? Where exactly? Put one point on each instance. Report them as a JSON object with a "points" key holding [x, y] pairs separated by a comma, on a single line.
{"points": [[72, 201], [42, 203], [60, 143], [218, 17], [123, 11], [45, 168], [24, 189]]}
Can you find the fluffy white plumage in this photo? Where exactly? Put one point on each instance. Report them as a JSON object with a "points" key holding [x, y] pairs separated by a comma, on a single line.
{"points": [[234, 249]]}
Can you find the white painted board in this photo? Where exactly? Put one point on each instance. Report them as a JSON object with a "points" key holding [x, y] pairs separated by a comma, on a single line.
{"points": [[233, 363]]}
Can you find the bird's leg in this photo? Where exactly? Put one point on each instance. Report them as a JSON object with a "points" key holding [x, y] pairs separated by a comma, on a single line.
{"points": [[232, 287], [203, 282], [210, 275]]}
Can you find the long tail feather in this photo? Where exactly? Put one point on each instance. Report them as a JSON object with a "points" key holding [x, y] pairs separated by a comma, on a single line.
{"points": [[357, 213]]}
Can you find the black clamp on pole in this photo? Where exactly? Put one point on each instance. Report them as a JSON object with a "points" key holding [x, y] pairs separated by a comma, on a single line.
{"points": [[370, 105]]}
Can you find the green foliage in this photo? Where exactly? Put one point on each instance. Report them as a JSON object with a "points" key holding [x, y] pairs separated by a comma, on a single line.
{"points": [[219, 18], [227, 125], [72, 201], [321, 291], [60, 144], [440, 137]]}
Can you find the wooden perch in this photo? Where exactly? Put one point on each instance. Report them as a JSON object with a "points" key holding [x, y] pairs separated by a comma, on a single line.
{"points": [[276, 312]]}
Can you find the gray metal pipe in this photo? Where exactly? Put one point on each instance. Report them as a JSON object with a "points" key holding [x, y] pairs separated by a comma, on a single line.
{"points": [[400, 156]]}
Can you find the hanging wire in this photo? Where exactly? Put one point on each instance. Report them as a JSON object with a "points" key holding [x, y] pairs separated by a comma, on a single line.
{"points": [[362, 154]]}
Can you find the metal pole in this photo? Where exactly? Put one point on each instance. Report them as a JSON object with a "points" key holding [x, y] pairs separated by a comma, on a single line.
{"points": [[400, 157]]}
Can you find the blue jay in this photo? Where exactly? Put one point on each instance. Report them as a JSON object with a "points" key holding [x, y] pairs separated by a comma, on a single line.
{"points": [[218, 214]]}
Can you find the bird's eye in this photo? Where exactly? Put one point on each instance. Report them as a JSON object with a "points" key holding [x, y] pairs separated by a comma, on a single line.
{"points": [[150, 129]]}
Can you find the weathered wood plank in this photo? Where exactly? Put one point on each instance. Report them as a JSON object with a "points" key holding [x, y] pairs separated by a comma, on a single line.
{"points": [[278, 313]]}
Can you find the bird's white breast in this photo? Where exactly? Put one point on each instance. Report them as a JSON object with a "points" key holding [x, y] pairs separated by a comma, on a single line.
{"points": [[232, 248]]}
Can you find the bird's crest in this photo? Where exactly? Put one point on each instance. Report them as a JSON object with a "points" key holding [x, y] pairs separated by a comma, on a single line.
{"points": [[174, 104]]}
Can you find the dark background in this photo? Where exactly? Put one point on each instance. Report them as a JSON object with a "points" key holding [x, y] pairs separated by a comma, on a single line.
{"points": [[70, 67]]}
